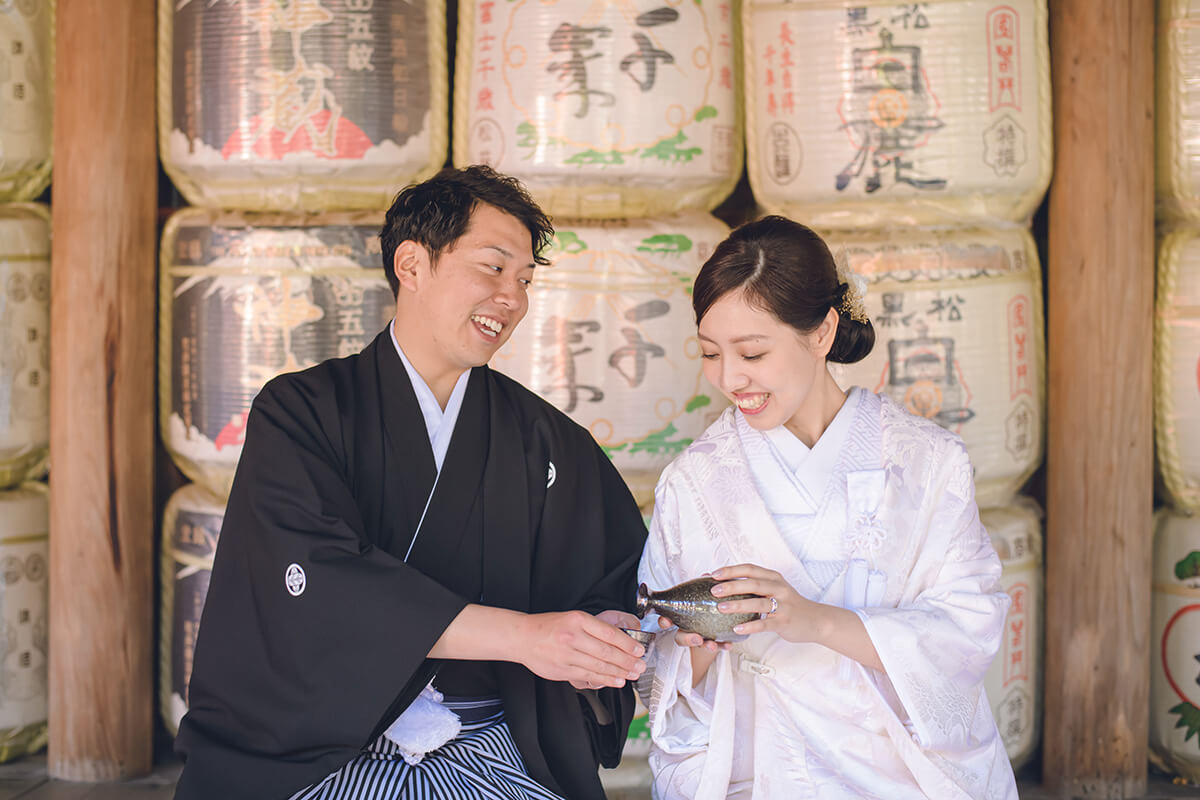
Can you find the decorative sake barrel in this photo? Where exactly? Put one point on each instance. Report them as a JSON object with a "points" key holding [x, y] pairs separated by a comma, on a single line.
{"points": [[1175, 646], [610, 338], [245, 298], [958, 326], [306, 105], [1177, 369], [24, 615], [24, 341], [1177, 111], [603, 110], [1014, 681], [26, 97], [191, 525], [882, 113]]}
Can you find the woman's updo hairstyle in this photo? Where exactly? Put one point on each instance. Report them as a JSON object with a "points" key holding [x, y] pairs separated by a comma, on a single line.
{"points": [[786, 269]]}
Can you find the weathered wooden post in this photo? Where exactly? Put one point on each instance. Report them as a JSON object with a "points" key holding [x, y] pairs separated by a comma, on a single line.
{"points": [[1100, 283], [102, 395]]}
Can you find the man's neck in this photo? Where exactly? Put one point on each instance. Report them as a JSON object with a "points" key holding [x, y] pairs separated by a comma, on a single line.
{"points": [[440, 378]]}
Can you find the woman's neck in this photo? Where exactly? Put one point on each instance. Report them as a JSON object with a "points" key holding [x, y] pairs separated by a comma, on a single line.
{"points": [[823, 404]]}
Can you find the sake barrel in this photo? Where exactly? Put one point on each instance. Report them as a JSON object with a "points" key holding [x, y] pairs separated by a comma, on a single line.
{"points": [[24, 342], [603, 110], [1177, 368], [1014, 680], [1175, 646], [875, 113], [306, 105], [1177, 111], [610, 338], [26, 97], [24, 615], [191, 525], [244, 298], [958, 326]]}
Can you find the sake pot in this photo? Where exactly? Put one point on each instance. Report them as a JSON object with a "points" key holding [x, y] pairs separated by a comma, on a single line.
{"points": [[692, 607]]}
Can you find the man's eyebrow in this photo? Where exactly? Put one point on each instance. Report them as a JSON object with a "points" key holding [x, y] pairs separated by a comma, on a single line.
{"points": [[498, 249]]}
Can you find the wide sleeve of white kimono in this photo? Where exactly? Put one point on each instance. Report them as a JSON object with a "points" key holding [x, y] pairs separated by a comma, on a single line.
{"points": [[775, 719]]}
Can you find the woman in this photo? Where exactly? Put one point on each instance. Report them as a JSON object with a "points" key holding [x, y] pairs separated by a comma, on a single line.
{"points": [[854, 523]]}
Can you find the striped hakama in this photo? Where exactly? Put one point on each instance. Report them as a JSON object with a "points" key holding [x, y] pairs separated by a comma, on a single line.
{"points": [[481, 763]]}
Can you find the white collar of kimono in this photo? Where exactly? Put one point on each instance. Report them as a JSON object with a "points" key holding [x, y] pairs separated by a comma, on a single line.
{"points": [[813, 466], [439, 424]]}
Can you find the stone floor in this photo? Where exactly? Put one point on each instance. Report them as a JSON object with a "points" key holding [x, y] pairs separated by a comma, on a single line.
{"points": [[26, 779]]}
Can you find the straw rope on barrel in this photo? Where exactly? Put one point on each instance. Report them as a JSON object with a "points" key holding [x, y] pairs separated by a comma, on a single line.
{"points": [[26, 97], [603, 110], [959, 339], [610, 338], [24, 342], [191, 526], [24, 617], [313, 106], [1174, 648], [244, 298], [882, 113], [1177, 110], [1014, 680], [1177, 368]]}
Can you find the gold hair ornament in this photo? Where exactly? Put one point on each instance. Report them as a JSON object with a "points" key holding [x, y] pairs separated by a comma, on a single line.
{"points": [[853, 305]]}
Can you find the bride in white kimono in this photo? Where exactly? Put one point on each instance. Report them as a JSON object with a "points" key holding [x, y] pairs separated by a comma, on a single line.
{"points": [[854, 523]]}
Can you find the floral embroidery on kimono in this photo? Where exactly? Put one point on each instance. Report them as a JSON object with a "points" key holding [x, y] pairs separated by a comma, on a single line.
{"points": [[894, 534]]}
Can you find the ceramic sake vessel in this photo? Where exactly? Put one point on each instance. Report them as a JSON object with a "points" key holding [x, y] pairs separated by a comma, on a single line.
{"points": [[693, 608]]}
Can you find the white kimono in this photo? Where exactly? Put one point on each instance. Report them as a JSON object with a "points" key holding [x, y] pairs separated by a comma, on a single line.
{"points": [[880, 518]]}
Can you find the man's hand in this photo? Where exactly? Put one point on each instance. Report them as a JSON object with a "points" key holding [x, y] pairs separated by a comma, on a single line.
{"points": [[588, 652]]}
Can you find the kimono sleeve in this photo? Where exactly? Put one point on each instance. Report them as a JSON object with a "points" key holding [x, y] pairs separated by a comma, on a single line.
{"points": [[310, 632], [681, 716], [938, 643]]}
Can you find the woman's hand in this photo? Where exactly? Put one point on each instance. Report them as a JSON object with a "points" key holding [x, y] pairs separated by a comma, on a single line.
{"points": [[782, 609]]}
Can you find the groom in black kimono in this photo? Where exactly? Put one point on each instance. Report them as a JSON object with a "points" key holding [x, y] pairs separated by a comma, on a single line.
{"points": [[354, 566]]}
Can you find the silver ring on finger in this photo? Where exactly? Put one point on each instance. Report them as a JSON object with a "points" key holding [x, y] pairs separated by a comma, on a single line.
{"points": [[774, 607]]}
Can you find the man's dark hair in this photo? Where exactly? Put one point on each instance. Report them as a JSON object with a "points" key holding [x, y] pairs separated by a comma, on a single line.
{"points": [[435, 214]]}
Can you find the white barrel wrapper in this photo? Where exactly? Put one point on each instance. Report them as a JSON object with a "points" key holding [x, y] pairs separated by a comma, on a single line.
{"points": [[26, 97], [314, 105], [24, 342], [610, 338], [876, 113], [602, 109], [958, 326], [1177, 368]]}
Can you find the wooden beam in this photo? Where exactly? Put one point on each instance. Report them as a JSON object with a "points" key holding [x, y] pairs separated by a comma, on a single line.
{"points": [[1100, 287], [102, 391]]}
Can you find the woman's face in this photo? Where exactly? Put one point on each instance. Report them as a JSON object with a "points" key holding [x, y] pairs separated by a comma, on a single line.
{"points": [[765, 367]]}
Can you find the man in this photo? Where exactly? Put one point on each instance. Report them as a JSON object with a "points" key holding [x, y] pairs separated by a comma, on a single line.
{"points": [[367, 551]]}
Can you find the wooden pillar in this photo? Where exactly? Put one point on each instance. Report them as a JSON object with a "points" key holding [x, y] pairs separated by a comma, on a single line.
{"points": [[1100, 284], [102, 390]]}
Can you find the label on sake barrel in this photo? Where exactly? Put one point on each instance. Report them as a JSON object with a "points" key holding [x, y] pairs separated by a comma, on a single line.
{"points": [[1177, 368], [305, 105], [610, 338], [245, 299], [26, 97], [958, 326], [603, 110], [880, 113], [191, 526], [24, 611], [24, 342], [1014, 679]]}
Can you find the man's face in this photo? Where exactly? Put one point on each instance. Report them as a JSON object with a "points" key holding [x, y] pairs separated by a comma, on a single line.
{"points": [[472, 298]]}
